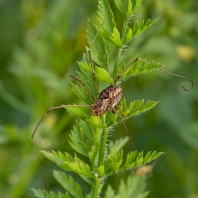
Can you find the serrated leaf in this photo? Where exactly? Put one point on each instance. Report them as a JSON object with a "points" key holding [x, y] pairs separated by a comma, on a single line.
{"points": [[96, 121], [97, 48], [69, 184], [115, 38], [128, 35], [79, 167], [88, 131], [68, 163], [123, 105], [84, 66], [76, 111], [147, 157], [130, 158], [111, 118], [57, 157], [87, 84], [76, 138], [114, 147], [134, 4], [141, 104], [103, 75], [139, 66], [41, 194], [106, 18], [100, 170], [129, 9], [139, 28], [137, 159], [93, 153], [81, 131], [79, 148], [120, 5], [136, 107], [112, 164], [82, 94], [140, 107]]}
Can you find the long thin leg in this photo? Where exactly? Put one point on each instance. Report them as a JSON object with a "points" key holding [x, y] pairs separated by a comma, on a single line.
{"points": [[100, 27], [125, 69], [84, 85], [180, 77], [35, 149], [34, 132], [93, 72], [89, 52], [136, 59], [125, 129], [40, 165], [50, 109]]}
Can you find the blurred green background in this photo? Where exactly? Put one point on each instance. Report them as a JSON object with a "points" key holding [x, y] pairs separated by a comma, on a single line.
{"points": [[40, 43]]}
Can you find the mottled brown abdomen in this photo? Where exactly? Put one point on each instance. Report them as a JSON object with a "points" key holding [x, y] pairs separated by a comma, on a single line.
{"points": [[107, 100]]}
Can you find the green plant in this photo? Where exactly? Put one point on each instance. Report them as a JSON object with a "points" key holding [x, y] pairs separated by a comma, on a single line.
{"points": [[98, 159]]}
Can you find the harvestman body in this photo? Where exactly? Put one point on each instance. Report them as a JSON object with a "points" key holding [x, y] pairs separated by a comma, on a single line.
{"points": [[107, 100]]}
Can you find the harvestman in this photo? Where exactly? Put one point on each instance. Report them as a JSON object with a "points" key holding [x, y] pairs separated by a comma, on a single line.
{"points": [[106, 101]]}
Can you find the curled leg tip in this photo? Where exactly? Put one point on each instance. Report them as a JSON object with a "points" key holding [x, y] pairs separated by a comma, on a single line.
{"points": [[191, 85]]}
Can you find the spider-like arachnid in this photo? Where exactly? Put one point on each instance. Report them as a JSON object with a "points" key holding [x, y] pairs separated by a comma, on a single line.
{"points": [[106, 100]]}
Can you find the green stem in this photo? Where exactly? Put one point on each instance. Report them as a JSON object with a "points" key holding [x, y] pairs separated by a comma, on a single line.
{"points": [[103, 146], [123, 35], [96, 188], [124, 30], [115, 71]]}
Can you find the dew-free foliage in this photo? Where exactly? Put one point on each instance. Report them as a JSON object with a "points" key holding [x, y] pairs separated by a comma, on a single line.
{"points": [[89, 137]]}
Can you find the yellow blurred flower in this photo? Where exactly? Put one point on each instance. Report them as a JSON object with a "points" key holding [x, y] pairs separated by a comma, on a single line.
{"points": [[186, 53]]}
